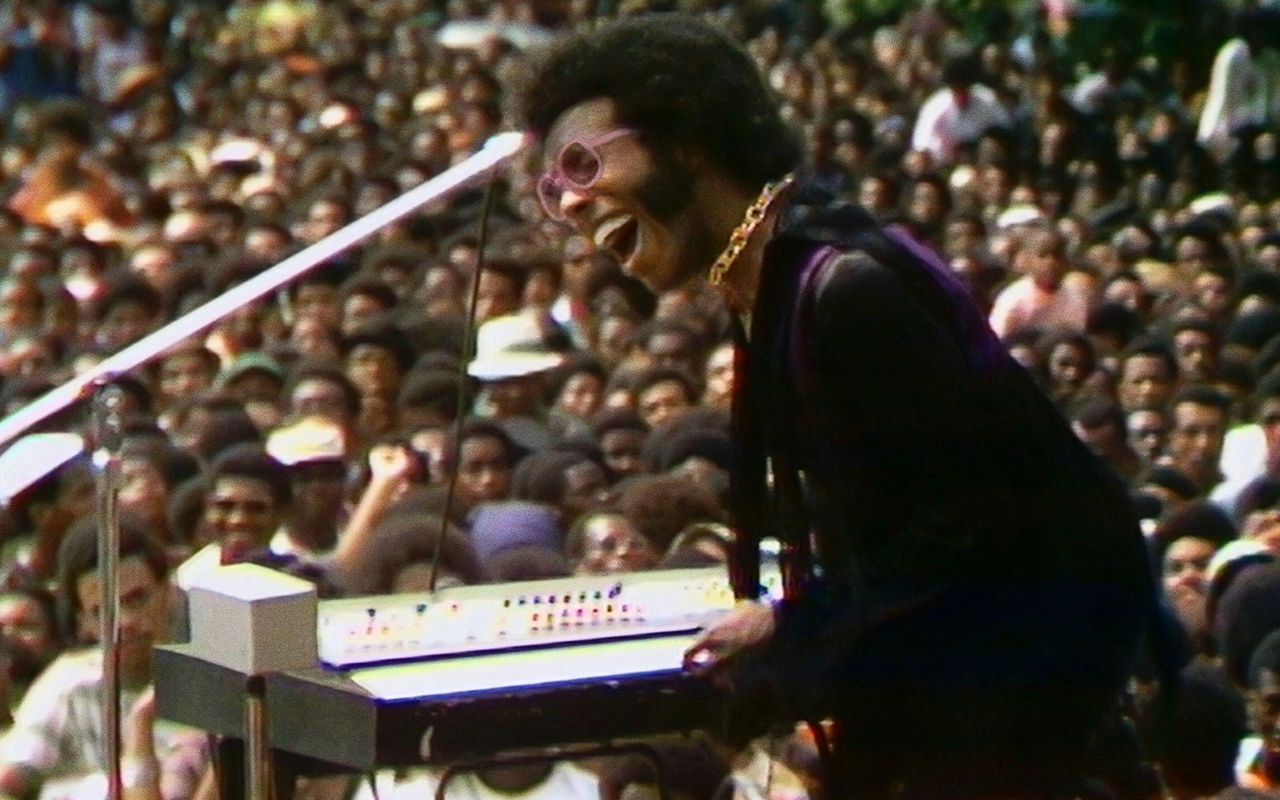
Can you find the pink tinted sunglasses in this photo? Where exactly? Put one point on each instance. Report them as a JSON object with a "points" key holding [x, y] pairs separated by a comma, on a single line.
{"points": [[577, 167]]}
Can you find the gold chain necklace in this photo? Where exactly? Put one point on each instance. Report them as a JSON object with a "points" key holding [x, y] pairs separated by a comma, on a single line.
{"points": [[742, 234]]}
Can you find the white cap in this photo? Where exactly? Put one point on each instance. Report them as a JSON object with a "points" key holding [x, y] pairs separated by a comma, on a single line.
{"points": [[1019, 214], [512, 346]]}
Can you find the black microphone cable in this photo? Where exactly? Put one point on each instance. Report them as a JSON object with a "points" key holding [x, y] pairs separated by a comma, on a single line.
{"points": [[468, 350]]}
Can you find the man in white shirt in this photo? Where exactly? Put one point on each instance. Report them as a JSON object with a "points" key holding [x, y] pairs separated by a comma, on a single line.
{"points": [[957, 115], [314, 450], [56, 749], [1251, 452], [1105, 91], [112, 47], [1039, 298], [1244, 86]]}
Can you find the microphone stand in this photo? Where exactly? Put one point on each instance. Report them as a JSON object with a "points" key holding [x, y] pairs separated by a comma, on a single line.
{"points": [[107, 432]]}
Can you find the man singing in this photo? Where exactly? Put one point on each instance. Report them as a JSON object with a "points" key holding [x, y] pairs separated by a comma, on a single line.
{"points": [[968, 583]]}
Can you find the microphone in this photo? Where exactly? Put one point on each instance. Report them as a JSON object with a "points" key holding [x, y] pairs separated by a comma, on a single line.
{"points": [[497, 152]]}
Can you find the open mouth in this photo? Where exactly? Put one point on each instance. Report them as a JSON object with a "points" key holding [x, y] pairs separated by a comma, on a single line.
{"points": [[620, 237]]}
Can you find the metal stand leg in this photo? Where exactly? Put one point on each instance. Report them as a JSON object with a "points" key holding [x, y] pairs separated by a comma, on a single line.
{"points": [[228, 764], [107, 407], [257, 748], [232, 769]]}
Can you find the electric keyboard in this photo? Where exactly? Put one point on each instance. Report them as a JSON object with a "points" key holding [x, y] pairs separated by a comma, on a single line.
{"points": [[469, 619], [462, 674], [460, 709]]}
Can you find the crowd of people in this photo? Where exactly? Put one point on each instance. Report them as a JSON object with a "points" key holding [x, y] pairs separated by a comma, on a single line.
{"points": [[1115, 213]]}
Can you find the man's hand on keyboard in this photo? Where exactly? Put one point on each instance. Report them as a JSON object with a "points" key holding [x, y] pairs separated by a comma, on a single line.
{"points": [[750, 623]]}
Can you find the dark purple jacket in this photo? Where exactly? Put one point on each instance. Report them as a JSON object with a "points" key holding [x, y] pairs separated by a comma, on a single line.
{"points": [[939, 481]]}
